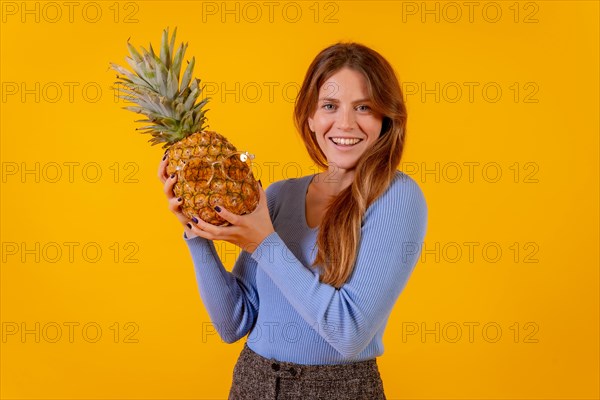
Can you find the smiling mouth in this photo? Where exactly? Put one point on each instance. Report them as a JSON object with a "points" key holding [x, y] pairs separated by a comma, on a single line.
{"points": [[345, 141]]}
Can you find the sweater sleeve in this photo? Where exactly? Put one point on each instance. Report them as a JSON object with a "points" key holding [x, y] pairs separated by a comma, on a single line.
{"points": [[231, 298], [348, 318]]}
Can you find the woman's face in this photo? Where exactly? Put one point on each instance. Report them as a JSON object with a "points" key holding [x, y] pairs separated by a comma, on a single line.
{"points": [[344, 123]]}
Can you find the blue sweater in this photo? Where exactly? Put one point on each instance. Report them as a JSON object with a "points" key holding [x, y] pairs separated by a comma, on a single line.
{"points": [[275, 296]]}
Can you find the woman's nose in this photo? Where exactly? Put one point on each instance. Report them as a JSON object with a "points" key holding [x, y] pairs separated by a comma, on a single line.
{"points": [[346, 120]]}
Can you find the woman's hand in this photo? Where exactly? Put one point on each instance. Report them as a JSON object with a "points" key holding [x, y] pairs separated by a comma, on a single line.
{"points": [[174, 203], [246, 231]]}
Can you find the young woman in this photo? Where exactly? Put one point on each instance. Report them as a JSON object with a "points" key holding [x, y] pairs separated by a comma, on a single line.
{"points": [[325, 255]]}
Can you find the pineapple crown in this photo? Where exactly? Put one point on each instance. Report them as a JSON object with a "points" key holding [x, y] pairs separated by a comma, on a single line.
{"points": [[170, 106]]}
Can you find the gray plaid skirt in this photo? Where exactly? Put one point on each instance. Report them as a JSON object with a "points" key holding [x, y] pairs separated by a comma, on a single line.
{"points": [[258, 378]]}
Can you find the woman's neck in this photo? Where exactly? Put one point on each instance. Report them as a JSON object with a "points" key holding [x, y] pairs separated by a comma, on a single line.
{"points": [[333, 181]]}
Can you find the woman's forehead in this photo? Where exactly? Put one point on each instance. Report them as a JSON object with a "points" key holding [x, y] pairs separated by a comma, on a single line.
{"points": [[342, 83]]}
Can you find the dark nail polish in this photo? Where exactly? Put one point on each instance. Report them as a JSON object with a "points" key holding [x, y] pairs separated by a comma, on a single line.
{"points": [[172, 176], [195, 220], [165, 157], [260, 183], [189, 225], [217, 209], [179, 199]]}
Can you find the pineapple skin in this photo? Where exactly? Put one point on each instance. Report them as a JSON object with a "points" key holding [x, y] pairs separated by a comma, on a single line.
{"points": [[239, 196]]}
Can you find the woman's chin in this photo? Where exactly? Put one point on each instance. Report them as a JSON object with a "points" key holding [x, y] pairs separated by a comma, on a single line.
{"points": [[341, 165]]}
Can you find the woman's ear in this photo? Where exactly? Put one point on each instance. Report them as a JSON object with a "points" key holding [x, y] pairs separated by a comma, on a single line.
{"points": [[311, 124]]}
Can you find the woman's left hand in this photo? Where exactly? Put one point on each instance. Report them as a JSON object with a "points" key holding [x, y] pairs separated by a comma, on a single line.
{"points": [[246, 231]]}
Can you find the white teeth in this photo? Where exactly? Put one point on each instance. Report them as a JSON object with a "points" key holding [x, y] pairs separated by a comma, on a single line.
{"points": [[345, 142]]}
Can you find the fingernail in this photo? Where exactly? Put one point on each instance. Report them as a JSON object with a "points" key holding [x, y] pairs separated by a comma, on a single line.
{"points": [[172, 176], [195, 220], [217, 209], [189, 225], [179, 199], [165, 157], [260, 183]]}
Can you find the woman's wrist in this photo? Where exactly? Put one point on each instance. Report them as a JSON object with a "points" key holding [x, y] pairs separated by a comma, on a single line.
{"points": [[187, 234], [252, 249]]}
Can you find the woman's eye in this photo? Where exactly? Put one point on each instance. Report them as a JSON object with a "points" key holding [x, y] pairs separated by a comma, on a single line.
{"points": [[363, 107], [328, 106]]}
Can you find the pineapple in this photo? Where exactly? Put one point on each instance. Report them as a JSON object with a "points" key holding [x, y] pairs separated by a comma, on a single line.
{"points": [[210, 171]]}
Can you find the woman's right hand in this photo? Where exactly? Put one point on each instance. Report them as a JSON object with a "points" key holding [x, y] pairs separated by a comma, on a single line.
{"points": [[174, 202]]}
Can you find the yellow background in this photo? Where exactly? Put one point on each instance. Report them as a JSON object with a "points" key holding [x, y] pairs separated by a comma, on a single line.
{"points": [[546, 310]]}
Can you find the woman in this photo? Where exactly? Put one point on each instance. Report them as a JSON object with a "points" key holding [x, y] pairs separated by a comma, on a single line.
{"points": [[326, 255]]}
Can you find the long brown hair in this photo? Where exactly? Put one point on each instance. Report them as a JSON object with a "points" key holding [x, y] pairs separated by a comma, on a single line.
{"points": [[339, 233]]}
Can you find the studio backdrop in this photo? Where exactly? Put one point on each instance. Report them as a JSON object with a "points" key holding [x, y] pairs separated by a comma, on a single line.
{"points": [[98, 292]]}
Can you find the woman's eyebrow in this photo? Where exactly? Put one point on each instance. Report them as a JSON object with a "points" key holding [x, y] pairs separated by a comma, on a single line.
{"points": [[332, 100]]}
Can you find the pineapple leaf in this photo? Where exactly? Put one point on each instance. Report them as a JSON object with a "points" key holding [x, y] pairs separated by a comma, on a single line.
{"points": [[134, 53], [170, 100], [128, 92], [121, 70], [171, 85], [161, 128], [164, 106], [161, 77], [172, 44], [187, 75], [187, 122], [169, 122], [165, 57], [138, 68], [152, 53], [145, 53], [176, 67], [199, 121], [138, 110], [179, 110], [134, 82], [201, 104], [148, 127], [149, 66], [131, 99], [189, 102], [195, 84]]}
